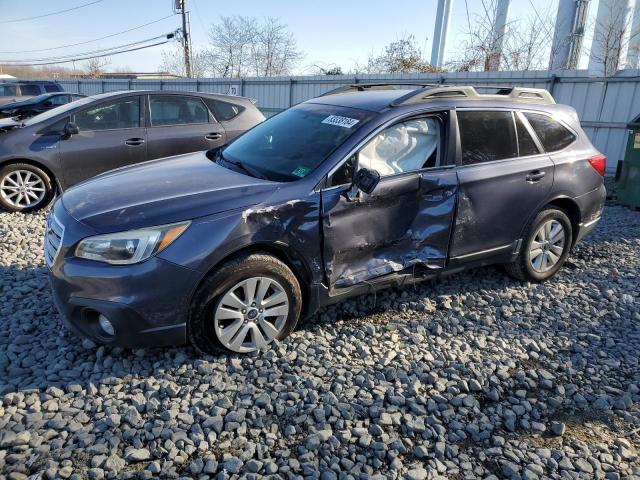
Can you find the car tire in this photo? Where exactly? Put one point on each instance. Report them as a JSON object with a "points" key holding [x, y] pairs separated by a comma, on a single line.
{"points": [[542, 253], [224, 319], [37, 188]]}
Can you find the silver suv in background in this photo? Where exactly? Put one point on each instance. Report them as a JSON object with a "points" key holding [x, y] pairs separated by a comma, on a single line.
{"points": [[68, 144], [16, 91]]}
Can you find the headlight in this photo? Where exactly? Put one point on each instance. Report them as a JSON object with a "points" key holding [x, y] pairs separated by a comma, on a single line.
{"points": [[132, 246]]}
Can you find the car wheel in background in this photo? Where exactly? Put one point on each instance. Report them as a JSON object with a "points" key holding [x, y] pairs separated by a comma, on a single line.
{"points": [[24, 188], [546, 246], [247, 303]]}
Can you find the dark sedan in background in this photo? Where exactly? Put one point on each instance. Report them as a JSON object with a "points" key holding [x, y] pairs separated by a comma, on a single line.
{"points": [[68, 144], [37, 105]]}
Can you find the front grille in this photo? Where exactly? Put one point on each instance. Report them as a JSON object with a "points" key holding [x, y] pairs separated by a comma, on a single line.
{"points": [[52, 239]]}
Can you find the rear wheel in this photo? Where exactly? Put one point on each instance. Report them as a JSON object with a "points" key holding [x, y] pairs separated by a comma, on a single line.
{"points": [[546, 247], [24, 188], [245, 305]]}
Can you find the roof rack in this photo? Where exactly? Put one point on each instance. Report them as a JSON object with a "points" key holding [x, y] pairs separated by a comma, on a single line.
{"points": [[514, 94], [361, 87]]}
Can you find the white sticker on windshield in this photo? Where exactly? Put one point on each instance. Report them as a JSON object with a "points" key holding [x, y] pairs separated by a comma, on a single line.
{"points": [[339, 121]]}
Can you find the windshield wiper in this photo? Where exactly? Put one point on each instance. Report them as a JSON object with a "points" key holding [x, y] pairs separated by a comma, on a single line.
{"points": [[252, 172]]}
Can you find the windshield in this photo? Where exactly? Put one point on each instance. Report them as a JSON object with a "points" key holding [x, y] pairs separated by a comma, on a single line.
{"points": [[57, 111], [290, 145]]}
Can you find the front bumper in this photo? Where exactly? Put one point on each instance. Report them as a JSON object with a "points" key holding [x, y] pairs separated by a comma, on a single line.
{"points": [[147, 303]]}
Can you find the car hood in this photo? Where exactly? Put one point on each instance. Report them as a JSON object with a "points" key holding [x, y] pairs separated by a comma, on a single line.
{"points": [[17, 104], [5, 100], [161, 192]]}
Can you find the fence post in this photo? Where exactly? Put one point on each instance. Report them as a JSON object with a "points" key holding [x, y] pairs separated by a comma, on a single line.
{"points": [[161, 84], [102, 84], [290, 92], [552, 83], [242, 87], [197, 85]]}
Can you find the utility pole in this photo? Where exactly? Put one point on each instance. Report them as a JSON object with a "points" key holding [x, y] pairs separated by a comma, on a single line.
{"points": [[441, 32], [186, 36]]}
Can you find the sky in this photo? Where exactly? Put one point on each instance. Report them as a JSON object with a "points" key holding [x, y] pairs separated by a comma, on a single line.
{"points": [[329, 32]]}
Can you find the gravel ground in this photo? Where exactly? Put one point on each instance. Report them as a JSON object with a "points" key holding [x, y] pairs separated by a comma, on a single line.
{"points": [[475, 376]]}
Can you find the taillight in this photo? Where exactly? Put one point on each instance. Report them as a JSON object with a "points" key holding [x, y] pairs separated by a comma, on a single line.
{"points": [[599, 162]]}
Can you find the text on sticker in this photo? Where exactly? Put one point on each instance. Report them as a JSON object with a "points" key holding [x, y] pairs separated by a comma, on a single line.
{"points": [[339, 121]]}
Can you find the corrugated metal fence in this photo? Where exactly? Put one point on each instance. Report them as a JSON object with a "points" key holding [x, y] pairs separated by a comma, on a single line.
{"points": [[604, 105]]}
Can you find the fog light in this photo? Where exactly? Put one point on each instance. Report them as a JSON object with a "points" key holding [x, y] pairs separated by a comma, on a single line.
{"points": [[106, 325]]}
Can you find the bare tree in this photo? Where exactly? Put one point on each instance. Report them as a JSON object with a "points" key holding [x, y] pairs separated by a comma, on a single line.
{"points": [[401, 56], [274, 50], [242, 46], [173, 62], [524, 44], [95, 67]]}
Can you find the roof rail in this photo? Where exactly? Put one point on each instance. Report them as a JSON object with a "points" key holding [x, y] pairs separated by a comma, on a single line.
{"points": [[516, 94], [361, 87]]}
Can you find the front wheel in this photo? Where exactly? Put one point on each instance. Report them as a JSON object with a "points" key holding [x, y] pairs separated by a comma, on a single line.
{"points": [[546, 246], [249, 302], [24, 188]]}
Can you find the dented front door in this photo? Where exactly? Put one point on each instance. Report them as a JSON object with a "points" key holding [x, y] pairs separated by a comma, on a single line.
{"points": [[406, 221]]}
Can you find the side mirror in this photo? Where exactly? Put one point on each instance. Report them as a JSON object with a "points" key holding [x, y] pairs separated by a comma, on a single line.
{"points": [[366, 180], [69, 129]]}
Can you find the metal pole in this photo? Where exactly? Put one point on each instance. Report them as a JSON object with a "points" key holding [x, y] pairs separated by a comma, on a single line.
{"points": [[578, 33], [445, 30], [185, 38], [633, 55], [437, 33], [499, 30], [562, 35]]}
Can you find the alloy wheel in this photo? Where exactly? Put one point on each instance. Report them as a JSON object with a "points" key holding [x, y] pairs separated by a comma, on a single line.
{"points": [[547, 246], [251, 314], [22, 188]]}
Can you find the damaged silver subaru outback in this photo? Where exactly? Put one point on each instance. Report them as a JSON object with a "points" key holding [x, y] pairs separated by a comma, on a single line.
{"points": [[352, 191]]}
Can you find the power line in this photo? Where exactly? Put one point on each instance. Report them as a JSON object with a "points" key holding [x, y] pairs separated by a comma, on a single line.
{"points": [[89, 58], [50, 14], [89, 41], [91, 52]]}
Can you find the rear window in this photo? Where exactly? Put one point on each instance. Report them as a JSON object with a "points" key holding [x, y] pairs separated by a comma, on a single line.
{"points": [[486, 136], [224, 111], [30, 89], [552, 134], [52, 88]]}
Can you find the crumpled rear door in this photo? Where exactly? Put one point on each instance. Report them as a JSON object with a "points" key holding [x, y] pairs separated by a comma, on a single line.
{"points": [[405, 221]]}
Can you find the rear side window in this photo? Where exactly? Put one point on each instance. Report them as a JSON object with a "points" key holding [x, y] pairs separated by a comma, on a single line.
{"points": [[30, 89], [486, 136], [552, 134], [52, 88], [224, 111], [526, 144], [176, 110]]}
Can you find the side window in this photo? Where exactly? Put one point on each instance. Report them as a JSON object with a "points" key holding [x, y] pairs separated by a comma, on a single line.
{"points": [[344, 174], [176, 110], [224, 111], [526, 145], [59, 100], [8, 90], [486, 136], [552, 134], [410, 145], [123, 113], [30, 89]]}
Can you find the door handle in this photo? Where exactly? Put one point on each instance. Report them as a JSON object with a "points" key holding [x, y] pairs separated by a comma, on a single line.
{"points": [[535, 176], [213, 136], [134, 142]]}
